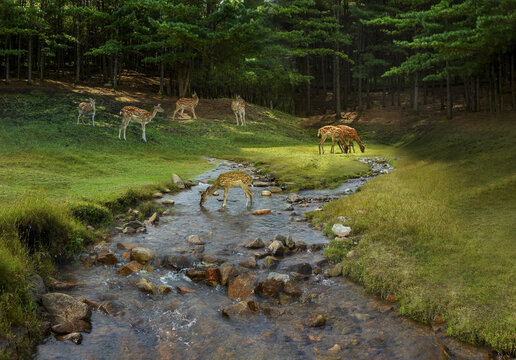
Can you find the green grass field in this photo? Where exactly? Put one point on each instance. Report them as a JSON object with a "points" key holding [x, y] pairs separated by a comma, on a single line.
{"points": [[439, 233]]}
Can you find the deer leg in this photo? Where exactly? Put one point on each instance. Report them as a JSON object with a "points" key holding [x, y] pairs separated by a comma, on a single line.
{"points": [[243, 117], [143, 133], [236, 116], [193, 112], [120, 129], [321, 143], [93, 119], [226, 192], [246, 194], [174, 116], [78, 117], [125, 127], [332, 145]]}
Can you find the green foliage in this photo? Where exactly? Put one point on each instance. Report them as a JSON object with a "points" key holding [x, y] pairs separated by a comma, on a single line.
{"points": [[91, 213]]}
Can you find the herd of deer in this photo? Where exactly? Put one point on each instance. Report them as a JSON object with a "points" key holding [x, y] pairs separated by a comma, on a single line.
{"points": [[345, 135]]}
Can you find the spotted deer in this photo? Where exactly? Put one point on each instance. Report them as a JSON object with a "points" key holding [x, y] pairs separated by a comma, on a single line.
{"points": [[351, 134], [238, 107], [334, 132], [140, 116], [185, 104], [87, 108], [226, 181]]}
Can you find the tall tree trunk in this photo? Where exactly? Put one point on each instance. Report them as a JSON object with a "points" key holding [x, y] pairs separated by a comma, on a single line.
{"points": [[323, 74], [368, 97], [104, 69], [448, 94], [495, 91], [398, 84], [513, 90], [336, 67], [425, 93], [500, 80], [477, 94], [360, 93], [78, 50], [115, 71], [7, 43], [29, 61], [161, 73], [416, 91], [383, 92], [393, 89], [18, 73], [308, 95]]}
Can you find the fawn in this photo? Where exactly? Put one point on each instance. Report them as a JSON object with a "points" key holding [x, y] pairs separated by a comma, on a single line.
{"points": [[334, 132], [143, 117], [238, 107], [186, 103], [351, 134], [226, 181], [87, 108]]}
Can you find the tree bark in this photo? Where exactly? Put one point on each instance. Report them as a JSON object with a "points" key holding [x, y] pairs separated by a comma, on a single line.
{"points": [[161, 73], [416, 91], [18, 73], [7, 46], [383, 92], [78, 50], [360, 93], [448, 94], [393, 89], [398, 83], [336, 67], [323, 74], [500, 80], [513, 90], [308, 95], [477, 94], [29, 61]]}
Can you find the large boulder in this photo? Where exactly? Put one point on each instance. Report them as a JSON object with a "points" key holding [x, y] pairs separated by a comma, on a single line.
{"points": [[302, 268], [106, 257], [196, 275], [64, 308], [242, 309], [135, 224], [145, 286], [129, 268], [249, 263], [195, 240], [142, 255], [341, 230], [242, 287], [227, 273], [334, 271], [176, 180], [270, 287], [255, 244]]}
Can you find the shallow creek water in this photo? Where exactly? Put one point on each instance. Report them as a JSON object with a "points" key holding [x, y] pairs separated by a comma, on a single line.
{"points": [[191, 326]]}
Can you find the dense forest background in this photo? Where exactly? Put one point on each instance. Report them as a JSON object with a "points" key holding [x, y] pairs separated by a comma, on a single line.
{"points": [[280, 53]]}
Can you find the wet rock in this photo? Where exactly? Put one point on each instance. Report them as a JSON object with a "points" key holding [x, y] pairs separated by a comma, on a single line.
{"points": [[241, 309], [184, 290], [317, 321], [300, 245], [196, 275], [285, 299], [277, 248], [157, 195], [341, 230], [316, 247], [198, 249], [176, 180], [384, 307], [142, 255], [242, 287], [279, 237], [106, 257], [438, 319], [335, 348], [37, 287], [261, 254], [167, 190], [129, 230], [168, 202], [145, 286], [361, 317], [292, 288], [141, 230], [71, 327], [390, 298], [227, 273], [334, 271], [269, 287], [177, 262], [75, 337], [166, 213], [45, 328], [163, 289], [292, 198], [126, 246], [288, 207], [212, 276], [64, 308], [266, 193], [299, 277], [289, 242], [135, 224], [195, 240], [262, 212], [249, 263], [129, 268], [275, 190], [271, 310], [277, 276], [148, 267], [271, 262], [255, 244], [351, 254], [126, 255], [261, 184], [92, 304], [154, 219], [64, 285]]}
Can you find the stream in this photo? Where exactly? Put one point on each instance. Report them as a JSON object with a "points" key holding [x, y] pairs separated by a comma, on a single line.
{"points": [[192, 326]]}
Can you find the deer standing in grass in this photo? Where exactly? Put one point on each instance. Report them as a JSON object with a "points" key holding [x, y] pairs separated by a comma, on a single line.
{"points": [[238, 107], [143, 117], [187, 103], [334, 132], [228, 180], [87, 108], [351, 134]]}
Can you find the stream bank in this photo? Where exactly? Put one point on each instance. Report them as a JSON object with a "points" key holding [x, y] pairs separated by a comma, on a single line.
{"points": [[273, 305]]}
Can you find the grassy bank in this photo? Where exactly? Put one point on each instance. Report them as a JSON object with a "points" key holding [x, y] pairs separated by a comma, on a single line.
{"points": [[439, 232], [56, 177]]}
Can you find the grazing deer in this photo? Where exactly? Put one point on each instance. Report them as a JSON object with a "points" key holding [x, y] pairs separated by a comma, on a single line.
{"points": [[137, 115], [238, 107], [351, 134], [87, 108], [186, 103], [226, 181], [334, 132]]}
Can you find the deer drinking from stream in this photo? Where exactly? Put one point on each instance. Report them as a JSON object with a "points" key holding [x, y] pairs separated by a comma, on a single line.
{"points": [[226, 181], [87, 108], [187, 104], [351, 134], [238, 107], [334, 132], [143, 117]]}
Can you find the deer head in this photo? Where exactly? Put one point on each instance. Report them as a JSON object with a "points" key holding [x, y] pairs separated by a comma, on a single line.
{"points": [[158, 108], [204, 196], [362, 147], [194, 94], [92, 101]]}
